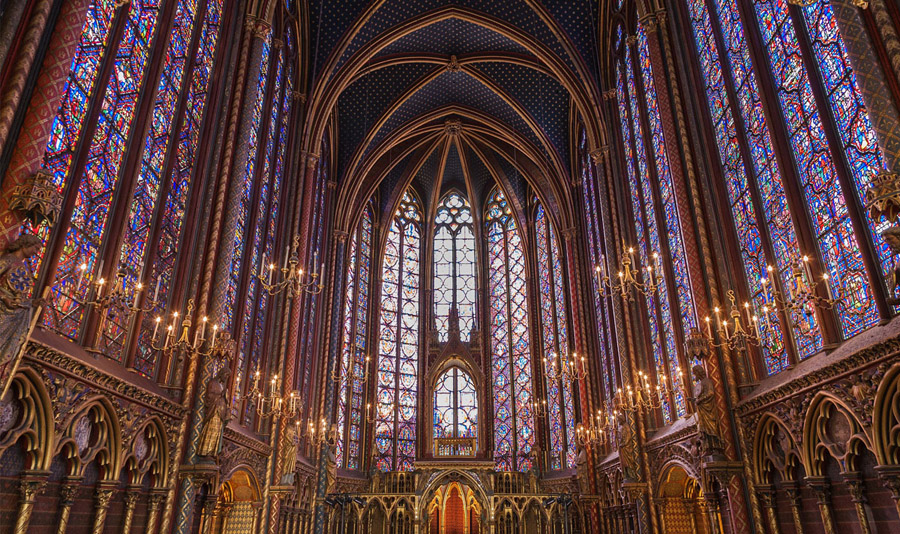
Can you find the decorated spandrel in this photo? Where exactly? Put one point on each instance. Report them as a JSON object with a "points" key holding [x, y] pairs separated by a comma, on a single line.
{"points": [[510, 344], [397, 371], [826, 202], [739, 184], [100, 177]]}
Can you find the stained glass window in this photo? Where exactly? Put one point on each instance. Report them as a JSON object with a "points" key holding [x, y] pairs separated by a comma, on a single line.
{"points": [[398, 359], [740, 179], [354, 345], [644, 212], [556, 342], [595, 257], [454, 266], [162, 180], [826, 203], [455, 405], [100, 178], [669, 206], [510, 342]]}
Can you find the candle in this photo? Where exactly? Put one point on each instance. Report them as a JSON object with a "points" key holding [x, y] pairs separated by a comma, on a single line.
{"points": [[203, 328], [756, 326], [766, 316], [156, 326], [762, 281], [81, 268], [262, 267], [315, 260], [708, 328], [271, 272], [725, 325], [156, 292], [168, 336], [827, 286], [807, 269]]}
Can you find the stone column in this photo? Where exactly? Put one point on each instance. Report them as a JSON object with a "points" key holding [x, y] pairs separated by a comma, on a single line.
{"points": [[822, 491], [101, 507], [890, 477], [766, 496], [131, 499], [792, 489], [67, 494], [156, 499], [871, 80], [857, 489], [30, 487]]}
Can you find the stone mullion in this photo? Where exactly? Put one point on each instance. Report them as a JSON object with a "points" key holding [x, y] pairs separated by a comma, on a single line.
{"points": [[26, 155], [24, 57], [337, 260]]}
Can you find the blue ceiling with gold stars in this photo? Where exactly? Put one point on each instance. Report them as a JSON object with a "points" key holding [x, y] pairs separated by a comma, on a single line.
{"points": [[514, 70]]}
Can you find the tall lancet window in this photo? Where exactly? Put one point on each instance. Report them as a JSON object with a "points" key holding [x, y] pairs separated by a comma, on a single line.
{"points": [[355, 345], [510, 344], [136, 170], [454, 266], [398, 358], [556, 342]]}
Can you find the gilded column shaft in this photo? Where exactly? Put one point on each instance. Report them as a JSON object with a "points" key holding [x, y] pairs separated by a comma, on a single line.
{"points": [[66, 499], [101, 507], [29, 490], [131, 499]]}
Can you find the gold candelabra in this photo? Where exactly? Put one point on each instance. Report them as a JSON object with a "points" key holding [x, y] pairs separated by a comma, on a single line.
{"points": [[570, 369], [599, 429], [352, 376], [738, 329], [290, 277], [803, 295], [627, 281], [643, 397], [269, 401]]}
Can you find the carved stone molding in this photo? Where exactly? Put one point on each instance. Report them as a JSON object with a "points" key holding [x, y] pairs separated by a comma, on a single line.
{"points": [[38, 200]]}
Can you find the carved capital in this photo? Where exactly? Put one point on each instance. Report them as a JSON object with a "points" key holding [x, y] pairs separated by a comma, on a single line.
{"points": [[766, 495], [298, 96], [453, 65], [131, 498], [103, 497], [341, 235], [569, 233], [30, 488], [856, 487], [630, 40], [821, 489], [156, 499], [597, 154], [610, 94], [68, 492], [649, 23], [311, 159], [883, 196], [257, 26]]}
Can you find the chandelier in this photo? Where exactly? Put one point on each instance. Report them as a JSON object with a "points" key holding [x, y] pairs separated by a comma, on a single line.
{"points": [[627, 282], [289, 277]]}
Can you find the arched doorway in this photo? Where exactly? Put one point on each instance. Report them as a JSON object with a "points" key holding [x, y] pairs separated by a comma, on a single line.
{"points": [[239, 505], [681, 503], [454, 509]]}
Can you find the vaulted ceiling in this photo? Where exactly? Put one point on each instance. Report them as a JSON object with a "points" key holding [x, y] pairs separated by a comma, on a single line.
{"points": [[415, 89]]}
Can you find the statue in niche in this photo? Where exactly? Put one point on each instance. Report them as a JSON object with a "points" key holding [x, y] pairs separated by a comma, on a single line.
{"points": [[330, 461], [216, 416], [628, 452], [707, 412], [288, 451], [17, 308]]}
